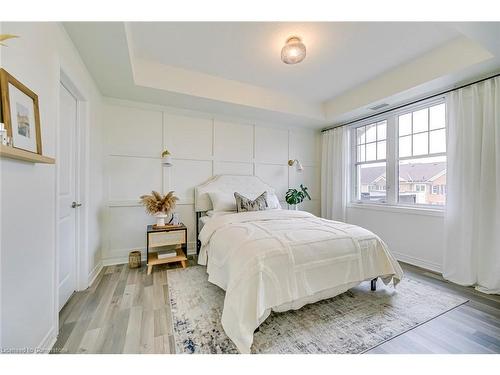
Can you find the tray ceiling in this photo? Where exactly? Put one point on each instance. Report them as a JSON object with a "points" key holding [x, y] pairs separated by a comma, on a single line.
{"points": [[234, 68]]}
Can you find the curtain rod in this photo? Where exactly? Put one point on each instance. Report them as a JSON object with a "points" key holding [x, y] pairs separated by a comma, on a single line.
{"points": [[411, 103]]}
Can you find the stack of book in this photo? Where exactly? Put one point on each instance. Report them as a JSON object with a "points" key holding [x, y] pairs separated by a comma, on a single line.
{"points": [[167, 255]]}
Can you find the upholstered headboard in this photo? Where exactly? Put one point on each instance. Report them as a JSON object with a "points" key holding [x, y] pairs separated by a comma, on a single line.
{"points": [[249, 186]]}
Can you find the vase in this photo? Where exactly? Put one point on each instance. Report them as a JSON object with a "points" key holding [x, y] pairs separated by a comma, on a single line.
{"points": [[160, 219], [294, 207]]}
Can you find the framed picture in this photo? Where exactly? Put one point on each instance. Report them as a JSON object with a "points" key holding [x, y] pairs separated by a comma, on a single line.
{"points": [[20, 114]]}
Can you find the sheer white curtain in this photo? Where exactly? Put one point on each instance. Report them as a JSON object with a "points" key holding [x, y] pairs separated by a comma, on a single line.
{"points": [[472, 253], [334, 173]]}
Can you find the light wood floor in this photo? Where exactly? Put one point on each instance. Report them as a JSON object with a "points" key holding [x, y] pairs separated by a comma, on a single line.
{"points": [[127, 311]]}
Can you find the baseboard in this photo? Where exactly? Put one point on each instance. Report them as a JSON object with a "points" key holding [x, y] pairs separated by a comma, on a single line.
{"points": [[431, 266], [118, 260], [94, 273], [122, 259], [47, 342]]}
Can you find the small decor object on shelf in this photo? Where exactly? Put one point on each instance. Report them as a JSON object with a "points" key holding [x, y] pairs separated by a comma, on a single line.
{"points": [[167, 255], [134, 259], [295, 197], [174, 219], [166, 158], [160, 206], [20, 114], [3, 134]]}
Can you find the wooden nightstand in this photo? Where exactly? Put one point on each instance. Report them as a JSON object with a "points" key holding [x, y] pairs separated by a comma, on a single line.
{"points": [[175, 235]]}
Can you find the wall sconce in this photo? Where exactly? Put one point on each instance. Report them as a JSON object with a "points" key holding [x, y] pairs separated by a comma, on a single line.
{"points": [[166, 158], [300, 168]]}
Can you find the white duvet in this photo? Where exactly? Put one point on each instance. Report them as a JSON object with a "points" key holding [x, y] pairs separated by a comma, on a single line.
{"points": [[281, 260]]}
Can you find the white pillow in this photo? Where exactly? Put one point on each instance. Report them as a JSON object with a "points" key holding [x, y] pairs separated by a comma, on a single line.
{"points": [[222, 201], [227, 202], [272, 201]]}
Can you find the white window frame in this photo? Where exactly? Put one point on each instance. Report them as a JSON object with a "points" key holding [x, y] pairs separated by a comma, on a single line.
{"points": [[353, 143], [392, 159]]}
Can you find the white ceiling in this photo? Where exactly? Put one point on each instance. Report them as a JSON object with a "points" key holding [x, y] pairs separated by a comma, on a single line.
{"points": [[234, 69], [340, 55]]}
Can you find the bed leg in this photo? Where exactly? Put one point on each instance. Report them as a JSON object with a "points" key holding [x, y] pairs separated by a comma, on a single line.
{"points": [[373, 284], [198, 242]]}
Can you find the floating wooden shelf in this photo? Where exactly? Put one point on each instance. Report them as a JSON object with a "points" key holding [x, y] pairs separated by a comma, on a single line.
{"points": [[16, 153]]}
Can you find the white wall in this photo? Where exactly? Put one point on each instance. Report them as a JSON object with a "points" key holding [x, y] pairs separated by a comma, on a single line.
{"points": [[413, 237], [202, 146], [28, 279]]}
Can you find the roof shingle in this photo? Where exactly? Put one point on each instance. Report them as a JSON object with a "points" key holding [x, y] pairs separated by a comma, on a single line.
{"points": [[417, 172]]}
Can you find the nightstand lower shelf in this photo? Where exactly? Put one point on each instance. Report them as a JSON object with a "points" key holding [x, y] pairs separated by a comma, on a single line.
{"points": [[153, 259]]}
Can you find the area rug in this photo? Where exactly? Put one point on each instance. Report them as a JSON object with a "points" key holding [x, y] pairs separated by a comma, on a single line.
{"points": [[352, 322]]}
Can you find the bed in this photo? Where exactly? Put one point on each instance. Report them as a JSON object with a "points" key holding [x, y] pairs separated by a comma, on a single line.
{"points": [[277, 259]]}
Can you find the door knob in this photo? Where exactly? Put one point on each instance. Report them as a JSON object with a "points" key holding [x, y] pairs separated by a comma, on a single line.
{"points": [[75, 205]]}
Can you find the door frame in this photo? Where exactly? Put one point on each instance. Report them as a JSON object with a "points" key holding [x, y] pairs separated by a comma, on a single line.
{"points": [[81, 187]]}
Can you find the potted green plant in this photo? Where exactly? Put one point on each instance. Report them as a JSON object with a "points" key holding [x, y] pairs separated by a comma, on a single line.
{"points": [[295, 197]]}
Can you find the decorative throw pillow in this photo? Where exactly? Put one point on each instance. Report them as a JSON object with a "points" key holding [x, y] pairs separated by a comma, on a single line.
{"points": [[243, 204]]}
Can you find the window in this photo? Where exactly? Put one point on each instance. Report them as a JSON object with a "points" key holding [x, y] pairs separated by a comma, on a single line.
{"points": [[421, 157], [420, 187], [401, 157], [370, 163]]}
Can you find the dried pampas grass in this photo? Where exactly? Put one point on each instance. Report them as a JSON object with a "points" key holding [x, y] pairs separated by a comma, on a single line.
{"points": [[158, 204]]}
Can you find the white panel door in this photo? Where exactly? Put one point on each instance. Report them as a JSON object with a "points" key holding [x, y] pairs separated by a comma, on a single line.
{"points": [[67, 167]]}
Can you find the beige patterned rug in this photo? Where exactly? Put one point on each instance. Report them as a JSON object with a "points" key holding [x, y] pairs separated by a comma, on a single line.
{"points": [[352, 322]]}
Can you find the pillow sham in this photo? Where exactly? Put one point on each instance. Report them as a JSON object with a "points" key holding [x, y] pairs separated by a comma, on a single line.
{"points": [[272, 201], [243, 204], [222, 201]]}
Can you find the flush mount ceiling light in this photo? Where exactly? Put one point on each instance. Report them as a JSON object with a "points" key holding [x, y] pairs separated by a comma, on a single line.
{"points": [[294, 51]]}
